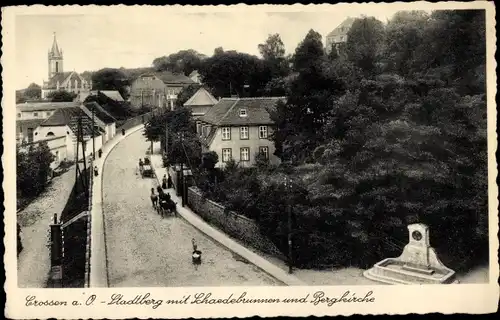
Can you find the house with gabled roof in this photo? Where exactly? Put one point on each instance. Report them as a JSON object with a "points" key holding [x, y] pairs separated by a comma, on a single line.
{"points": [[60, 80], [62, 126], [31, 114], [338, 35], [239, 129], [158, 89], [200, 102]]}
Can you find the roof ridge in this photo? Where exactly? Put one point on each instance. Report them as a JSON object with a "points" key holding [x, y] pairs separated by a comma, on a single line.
{"points": [[228, 110]]}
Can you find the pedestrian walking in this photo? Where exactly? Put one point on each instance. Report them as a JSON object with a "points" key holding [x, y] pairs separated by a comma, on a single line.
{"points": [[100, 153], [96, 171], [123, 132], [169, 182], [164, 182]]}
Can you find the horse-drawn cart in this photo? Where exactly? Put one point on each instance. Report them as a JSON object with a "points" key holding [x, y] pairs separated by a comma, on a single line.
{"points": [[146, 171]]}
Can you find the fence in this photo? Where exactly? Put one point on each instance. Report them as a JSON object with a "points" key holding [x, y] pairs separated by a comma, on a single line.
{"points": [[130, 123], [242, 228]]}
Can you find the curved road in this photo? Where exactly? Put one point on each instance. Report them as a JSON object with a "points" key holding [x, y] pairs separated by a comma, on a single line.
{"points": [[147, 251]]}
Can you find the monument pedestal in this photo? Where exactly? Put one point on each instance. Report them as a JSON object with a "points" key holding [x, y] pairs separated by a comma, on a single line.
{"points": [[418, 264]]}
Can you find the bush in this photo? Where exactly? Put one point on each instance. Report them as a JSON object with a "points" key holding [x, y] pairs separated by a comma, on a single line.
{"points": [[33, 169]]}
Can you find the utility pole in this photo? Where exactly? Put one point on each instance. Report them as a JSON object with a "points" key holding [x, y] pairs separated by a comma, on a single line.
{"points": [[289, 212]]}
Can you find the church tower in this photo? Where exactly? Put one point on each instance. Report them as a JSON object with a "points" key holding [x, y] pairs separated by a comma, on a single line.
{"points": [[55, 59]]}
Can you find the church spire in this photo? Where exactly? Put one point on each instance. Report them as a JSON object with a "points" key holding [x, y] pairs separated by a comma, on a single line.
{"points": [[55, 52]]}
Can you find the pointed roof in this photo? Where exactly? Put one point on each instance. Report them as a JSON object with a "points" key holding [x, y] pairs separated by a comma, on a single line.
{"points": [[342, 28], [227, 111], [201, 98], [54, 51]]}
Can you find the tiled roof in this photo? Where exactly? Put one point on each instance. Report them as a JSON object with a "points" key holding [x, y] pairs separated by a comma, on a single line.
{"points": [[111, 94], [69, 117], [43, 106], [218, 111], [60, 76], [347, 23], [174, 78], [115, 95], [99, 112], [227, 111], [201, 98], [32, 123]]}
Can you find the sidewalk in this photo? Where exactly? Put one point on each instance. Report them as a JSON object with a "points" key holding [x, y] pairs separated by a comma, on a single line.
{"points": [[220, 237], [98, 258], [33, 264]]}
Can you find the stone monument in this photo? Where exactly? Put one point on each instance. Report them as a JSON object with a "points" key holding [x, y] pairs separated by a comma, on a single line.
{"points": [[418, 264]]}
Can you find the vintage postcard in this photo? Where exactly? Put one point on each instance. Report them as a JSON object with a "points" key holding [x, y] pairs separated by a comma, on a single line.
{"points": [[232, 161]]}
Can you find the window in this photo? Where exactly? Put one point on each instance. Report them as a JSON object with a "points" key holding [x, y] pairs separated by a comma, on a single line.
{"points": [[226, 155], [243, 112], [244, 133], [19, 115], [264, 151], [35, 114], [50, 134], [263, 132], [30, 134], [226, 133], [245, 154]]}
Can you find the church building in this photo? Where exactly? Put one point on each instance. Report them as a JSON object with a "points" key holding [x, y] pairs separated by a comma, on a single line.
{"points": [[60, 80]]}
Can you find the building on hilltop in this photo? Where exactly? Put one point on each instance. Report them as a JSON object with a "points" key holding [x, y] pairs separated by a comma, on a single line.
{"points": [[239, 129], [58, 79], [339, 35], [200, 103], [159, 89]]}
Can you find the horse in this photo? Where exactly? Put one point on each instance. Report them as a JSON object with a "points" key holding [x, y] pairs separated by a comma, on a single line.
{"points": [[154, 198]]}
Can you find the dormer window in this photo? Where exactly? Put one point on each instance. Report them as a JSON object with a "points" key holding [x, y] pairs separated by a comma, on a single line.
{"points": [[243, 112]]}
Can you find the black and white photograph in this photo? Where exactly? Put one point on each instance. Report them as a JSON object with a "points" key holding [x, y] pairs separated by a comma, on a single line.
{"points": [[247, 148]]}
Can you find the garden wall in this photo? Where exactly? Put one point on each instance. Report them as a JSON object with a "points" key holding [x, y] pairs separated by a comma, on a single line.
{"points": [[237, 226]]}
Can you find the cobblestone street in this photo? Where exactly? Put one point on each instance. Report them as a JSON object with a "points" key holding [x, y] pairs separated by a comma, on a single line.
{"points": [[145, 250]]}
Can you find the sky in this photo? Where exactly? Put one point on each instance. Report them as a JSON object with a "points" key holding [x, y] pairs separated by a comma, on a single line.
{"points": [[133, 37]]}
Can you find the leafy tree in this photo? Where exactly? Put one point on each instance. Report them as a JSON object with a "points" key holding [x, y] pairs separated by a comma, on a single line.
{"points": [[33, 169], [312, 92], [365, 41], [184, 61], [231, 72], [111, 79], [61, 96], [405, 33], [209, 160], [33, 92], [308, 52]]}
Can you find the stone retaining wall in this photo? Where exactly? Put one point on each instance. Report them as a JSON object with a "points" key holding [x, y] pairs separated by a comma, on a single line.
{"points": [[237, 226]]}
